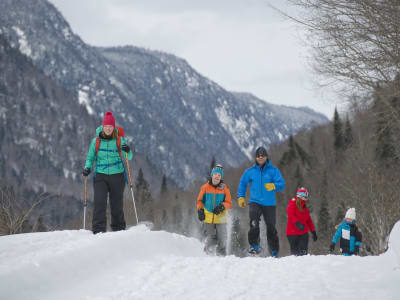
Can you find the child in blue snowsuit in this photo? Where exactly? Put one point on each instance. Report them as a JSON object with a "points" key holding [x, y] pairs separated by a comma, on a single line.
{"points": [[348, 234]]}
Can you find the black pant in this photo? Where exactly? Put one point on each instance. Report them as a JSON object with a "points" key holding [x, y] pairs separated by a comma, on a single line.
{"points": [[298, 244], [269, 214], [103, 185]]}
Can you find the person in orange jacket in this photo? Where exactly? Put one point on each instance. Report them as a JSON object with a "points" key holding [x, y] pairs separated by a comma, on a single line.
{"points": [[213, 201], [299, 223]]}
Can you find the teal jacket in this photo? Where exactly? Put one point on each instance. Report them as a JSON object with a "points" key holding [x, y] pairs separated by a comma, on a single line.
{"points": [[108, 160]]}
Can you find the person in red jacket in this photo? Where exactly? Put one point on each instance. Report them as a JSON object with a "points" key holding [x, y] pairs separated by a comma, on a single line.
{"points": [[299, 223]]}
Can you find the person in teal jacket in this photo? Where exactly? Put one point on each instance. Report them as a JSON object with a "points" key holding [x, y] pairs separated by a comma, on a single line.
{"points": [[109, 177], [265, 180], [348, 234]]}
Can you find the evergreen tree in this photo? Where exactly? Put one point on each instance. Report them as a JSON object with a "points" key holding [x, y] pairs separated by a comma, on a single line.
{"points": [[290, 155], [348, 134], [337, 131], [385, 148], [299, 178], [324, 218], [164, 188], [212, 165], [144, 198], [340, 212], [292, 149], [305, 158]]}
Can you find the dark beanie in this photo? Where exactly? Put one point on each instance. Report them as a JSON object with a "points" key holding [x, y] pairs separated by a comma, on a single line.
{"points": [[261, 151]]}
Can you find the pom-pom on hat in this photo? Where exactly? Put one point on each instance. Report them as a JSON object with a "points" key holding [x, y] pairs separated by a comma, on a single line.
{"points": [[217, 170], [302, 192], [351, 213], [109, 119]]}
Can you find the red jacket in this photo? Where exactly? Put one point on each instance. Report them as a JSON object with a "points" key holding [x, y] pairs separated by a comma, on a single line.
{"points": [[295, 215]]}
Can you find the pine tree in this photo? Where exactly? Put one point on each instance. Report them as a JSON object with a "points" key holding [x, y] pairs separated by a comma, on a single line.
{"points": [[144, 198], [337, 131], [385, 148], [348, 135], [299, 178], [324, 218], [164, 188], [305, 158], [292, 149], [340, 212], [212, 164]]}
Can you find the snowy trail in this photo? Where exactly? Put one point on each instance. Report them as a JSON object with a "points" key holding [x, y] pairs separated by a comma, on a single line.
{"points": [[142, 264]]}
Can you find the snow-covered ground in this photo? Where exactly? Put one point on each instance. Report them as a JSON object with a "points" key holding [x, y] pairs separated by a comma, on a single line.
{"points": [[142, 264]]}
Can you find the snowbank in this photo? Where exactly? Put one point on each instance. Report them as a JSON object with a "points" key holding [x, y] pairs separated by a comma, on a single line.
{"points": [[143, 264], [394, 243]]}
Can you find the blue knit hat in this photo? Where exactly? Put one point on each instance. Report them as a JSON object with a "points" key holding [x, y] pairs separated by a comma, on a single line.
{"points": [[217, 170]]}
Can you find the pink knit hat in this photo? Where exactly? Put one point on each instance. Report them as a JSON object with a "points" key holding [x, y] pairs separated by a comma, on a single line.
{"points": [[109, 119]]}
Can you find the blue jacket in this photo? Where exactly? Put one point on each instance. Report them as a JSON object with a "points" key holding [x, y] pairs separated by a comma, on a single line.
{"points": [[257, 179], [349, 236]]}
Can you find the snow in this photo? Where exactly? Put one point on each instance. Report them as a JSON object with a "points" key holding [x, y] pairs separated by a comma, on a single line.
{"points": [[83, 98], [158, 80], [23, 42], [66, 33], [142, 264]]}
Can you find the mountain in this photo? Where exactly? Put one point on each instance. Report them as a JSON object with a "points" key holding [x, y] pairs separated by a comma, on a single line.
{"points": [[142, 264], [176, 117]]}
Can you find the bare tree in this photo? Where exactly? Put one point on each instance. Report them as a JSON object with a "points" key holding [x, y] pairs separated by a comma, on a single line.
{"points": [[14, 216], [355, 42]]}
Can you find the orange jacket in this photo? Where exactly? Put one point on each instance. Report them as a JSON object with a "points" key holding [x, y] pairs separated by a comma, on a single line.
{"points": [[210, 197]]}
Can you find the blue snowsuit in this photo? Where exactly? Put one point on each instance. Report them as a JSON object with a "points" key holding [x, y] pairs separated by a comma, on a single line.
{"points": [[350, 238]]}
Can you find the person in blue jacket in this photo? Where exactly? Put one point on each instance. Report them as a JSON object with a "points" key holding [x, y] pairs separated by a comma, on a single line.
{"points": [[349, 235], [265, 180]]}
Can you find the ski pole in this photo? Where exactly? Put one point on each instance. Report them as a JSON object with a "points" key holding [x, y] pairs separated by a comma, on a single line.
{"points": [[131, 186], [84, 202]]}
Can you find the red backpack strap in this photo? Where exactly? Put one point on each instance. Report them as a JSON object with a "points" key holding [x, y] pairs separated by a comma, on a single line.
{"points": [[97, 145], [119, 146]]}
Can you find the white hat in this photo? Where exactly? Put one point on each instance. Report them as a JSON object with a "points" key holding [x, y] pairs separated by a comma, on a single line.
{"points": [[351, 213]]}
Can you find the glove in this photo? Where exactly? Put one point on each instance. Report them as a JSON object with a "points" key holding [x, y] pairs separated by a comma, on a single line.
{"points": [[299, 226], [314, 236], [332, 247], [357, 250], [201, 214], [125, 148], [242, 202], [219, 209], [270, 186], [86, 172]]}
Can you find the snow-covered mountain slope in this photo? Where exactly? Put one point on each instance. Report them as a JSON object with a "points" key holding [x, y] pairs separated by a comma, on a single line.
{"points": [[143, 264], [171, 113]]}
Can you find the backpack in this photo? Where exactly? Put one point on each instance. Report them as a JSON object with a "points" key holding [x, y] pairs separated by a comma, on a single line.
{"points": [[121, 133]]}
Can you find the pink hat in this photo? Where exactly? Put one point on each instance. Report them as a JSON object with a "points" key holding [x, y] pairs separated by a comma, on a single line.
{"points": [[109, 119], [302, 192]]}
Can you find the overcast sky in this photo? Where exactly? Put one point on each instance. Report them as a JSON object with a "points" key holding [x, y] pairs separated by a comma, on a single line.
{"points": [[244, 46]]}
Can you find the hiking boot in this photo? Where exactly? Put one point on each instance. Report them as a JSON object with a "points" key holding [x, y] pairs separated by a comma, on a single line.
{"points": [[274, 253], [254, 249]]}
